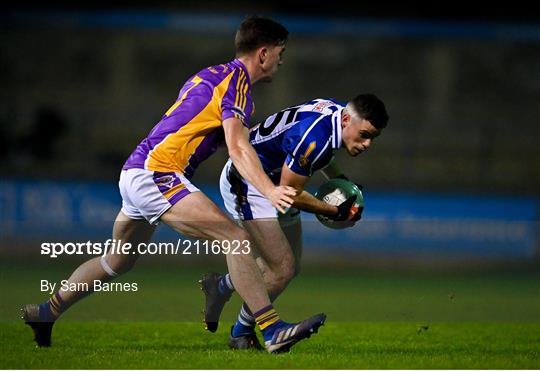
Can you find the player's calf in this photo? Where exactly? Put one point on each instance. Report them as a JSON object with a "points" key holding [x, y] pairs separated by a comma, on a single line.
{"points": [[277, 278]]}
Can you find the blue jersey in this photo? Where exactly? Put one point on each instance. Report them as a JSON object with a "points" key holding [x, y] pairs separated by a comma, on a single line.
{"points": [[303, 137]]}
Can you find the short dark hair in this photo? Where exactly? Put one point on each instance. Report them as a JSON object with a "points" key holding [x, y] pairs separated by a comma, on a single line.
{"points": [[371, 108], [255, 32]]}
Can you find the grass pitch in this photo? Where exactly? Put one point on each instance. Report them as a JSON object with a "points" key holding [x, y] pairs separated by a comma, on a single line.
{"points": [[376, 320], [164, 345]]}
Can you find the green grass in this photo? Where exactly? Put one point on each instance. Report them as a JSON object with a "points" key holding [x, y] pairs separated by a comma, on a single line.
{"points": [[475, 320], [163, 345], [170, 293]]}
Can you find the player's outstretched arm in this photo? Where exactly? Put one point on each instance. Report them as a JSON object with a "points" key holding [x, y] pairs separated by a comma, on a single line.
{"points": [[304, 200], [247, 163]]}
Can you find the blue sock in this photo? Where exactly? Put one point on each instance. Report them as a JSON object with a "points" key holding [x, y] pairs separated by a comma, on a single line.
{"points": [[225, 285], [52, 308], [239, 329], [45, 314], [245, 325], [269, 331]]}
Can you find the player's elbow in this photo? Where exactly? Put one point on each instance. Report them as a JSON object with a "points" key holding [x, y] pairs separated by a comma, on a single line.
{"points": [[235, 152]]}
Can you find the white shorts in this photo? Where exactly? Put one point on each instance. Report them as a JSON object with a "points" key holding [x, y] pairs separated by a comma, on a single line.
{"points": [[243, 201], [148, 194]]}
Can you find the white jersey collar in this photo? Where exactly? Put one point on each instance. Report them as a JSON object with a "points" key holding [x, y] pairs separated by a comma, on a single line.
{"points": [[336, 128]]}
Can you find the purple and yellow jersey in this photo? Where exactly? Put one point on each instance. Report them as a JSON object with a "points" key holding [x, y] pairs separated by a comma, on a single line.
{"points": [[191, 130]]}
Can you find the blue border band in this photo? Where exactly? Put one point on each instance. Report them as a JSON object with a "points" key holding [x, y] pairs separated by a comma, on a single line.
{"points": [[305, 26]]}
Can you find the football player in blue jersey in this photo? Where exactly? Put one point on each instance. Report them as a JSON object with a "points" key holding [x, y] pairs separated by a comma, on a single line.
{"points": [[292, 144], [212, 108]]}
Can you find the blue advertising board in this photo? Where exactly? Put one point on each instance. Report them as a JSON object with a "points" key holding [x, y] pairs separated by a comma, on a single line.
{"points": [[449, 225]]}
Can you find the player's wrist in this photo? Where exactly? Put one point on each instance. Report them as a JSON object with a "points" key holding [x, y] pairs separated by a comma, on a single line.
{"points": [[269, 189], [328, 210]]}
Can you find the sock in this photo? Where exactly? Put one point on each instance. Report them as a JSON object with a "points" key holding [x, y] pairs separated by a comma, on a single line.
{"points": [[52, 309], [245, 324], [225, 285], [268, 321]]}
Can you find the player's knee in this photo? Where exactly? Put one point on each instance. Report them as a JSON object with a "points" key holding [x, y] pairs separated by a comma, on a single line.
{"points": [[239, 234]]}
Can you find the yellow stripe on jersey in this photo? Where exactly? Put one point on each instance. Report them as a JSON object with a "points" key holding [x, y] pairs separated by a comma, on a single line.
{"points": [[196, 80], [239, 84], [173, 153], [244, 98]]}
